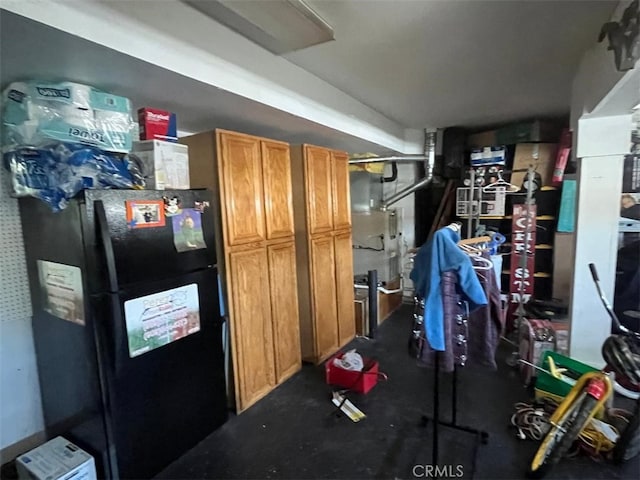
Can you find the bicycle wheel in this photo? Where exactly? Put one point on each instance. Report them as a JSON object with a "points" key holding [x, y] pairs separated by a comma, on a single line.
{"points": [[628, 445], [561, 436]]}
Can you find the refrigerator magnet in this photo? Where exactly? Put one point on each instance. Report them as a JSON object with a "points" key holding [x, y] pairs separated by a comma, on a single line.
{"points": [[145, 213], [172, 206], [187, 230], [200, 206]]}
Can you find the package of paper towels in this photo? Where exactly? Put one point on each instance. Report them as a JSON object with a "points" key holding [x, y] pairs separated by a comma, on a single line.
{"points": [[37, 112]]}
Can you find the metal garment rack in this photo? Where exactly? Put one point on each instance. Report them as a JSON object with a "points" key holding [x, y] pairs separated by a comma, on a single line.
{"points": [[480, 435], [475, 215], [523, 260]]}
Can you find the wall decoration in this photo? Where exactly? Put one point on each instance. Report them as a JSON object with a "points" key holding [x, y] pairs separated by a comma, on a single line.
{"points": [[623, 37], [62, 293]]}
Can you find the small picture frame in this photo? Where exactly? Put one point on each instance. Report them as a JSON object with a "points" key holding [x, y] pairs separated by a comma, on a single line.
{"points": [[145, 213]]}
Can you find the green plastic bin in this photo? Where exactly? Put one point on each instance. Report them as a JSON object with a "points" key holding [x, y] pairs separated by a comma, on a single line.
{"points": [[547, 385]]}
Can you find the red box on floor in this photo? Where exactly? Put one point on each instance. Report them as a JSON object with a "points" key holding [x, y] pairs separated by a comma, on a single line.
{"points": [[360, 382]]}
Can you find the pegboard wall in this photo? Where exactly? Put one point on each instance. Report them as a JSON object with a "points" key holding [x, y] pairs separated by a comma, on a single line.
{"points": [[15, 302]]}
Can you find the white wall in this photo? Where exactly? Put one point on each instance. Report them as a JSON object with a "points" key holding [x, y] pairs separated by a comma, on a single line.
{"points": [[20, 407], [601, 104]]}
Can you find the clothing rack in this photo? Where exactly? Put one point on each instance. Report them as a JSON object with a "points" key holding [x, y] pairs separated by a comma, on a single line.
{"points": [[480, 435]]}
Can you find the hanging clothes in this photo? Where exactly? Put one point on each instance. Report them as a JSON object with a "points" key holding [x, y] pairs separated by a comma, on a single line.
{"points": [[469, 337], [439, 255], [486, 324]]}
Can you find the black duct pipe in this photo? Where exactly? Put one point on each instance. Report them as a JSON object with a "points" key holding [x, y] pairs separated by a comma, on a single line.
{"points": [[373, 302], [394, 174]]}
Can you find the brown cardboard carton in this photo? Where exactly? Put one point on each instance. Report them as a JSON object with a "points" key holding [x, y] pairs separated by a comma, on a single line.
{"points": [[541, 156]]}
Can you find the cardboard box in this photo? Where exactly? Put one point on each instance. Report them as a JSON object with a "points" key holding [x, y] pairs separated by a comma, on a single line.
{"points": [[360, 382], [563, 264], [534, 131], [165, 165], [56, 459], [561, 330], [157, 125], [361, 310], [482, 139], [495, 155], [535, 338], [542, 156]]}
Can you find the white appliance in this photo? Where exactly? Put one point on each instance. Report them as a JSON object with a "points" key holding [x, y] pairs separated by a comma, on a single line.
{"points": [[377, 243]]}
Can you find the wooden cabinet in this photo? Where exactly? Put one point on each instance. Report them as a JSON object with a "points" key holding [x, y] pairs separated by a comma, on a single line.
{"points": [[284, 309], [341, 197], [344, 286], [318, 183], [278, 204], [251, 328], [323, 295], [240, 167], [251, 178], [323, 249]]}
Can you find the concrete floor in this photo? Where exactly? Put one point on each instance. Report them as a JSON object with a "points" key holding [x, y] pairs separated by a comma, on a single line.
{"points": [[295, 432]]}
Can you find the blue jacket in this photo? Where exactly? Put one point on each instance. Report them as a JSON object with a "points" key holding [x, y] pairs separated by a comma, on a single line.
{"points": [[441, 254]]}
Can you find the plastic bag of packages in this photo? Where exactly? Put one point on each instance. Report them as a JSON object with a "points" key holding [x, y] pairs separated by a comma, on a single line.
{"points": [[351, 360], [36, 112], [58, 171]]}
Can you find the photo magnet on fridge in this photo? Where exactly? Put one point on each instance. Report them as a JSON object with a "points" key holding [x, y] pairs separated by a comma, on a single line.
{"points": [[200, 206], [171, 206], [187, 230], [145, 213]]}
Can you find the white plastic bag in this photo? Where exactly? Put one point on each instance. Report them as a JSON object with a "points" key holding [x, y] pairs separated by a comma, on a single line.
{"points": [[351, 360]]}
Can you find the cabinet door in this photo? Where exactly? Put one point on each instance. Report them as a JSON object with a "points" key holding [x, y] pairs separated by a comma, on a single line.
{"points": [[341, 197], [323, 292], [319, 191], [278, 200], [251, 326], [344, 287], [241, 194], [284, 309]]}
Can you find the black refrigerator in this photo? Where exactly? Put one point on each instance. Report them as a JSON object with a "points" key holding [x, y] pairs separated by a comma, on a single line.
{"points": [[126, 324]]}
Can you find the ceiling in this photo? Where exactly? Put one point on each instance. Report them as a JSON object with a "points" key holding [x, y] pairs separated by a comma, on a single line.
{"points": [[445, 63], [44, 52], [417, 64]]}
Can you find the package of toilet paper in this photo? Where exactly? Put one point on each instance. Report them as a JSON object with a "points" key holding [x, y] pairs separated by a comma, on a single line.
{"points": [[37, 112], [56, 172]]}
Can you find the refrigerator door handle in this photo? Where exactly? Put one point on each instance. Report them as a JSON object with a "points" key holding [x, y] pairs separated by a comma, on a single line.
{"points": [[105, 237], [107, 250]]}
